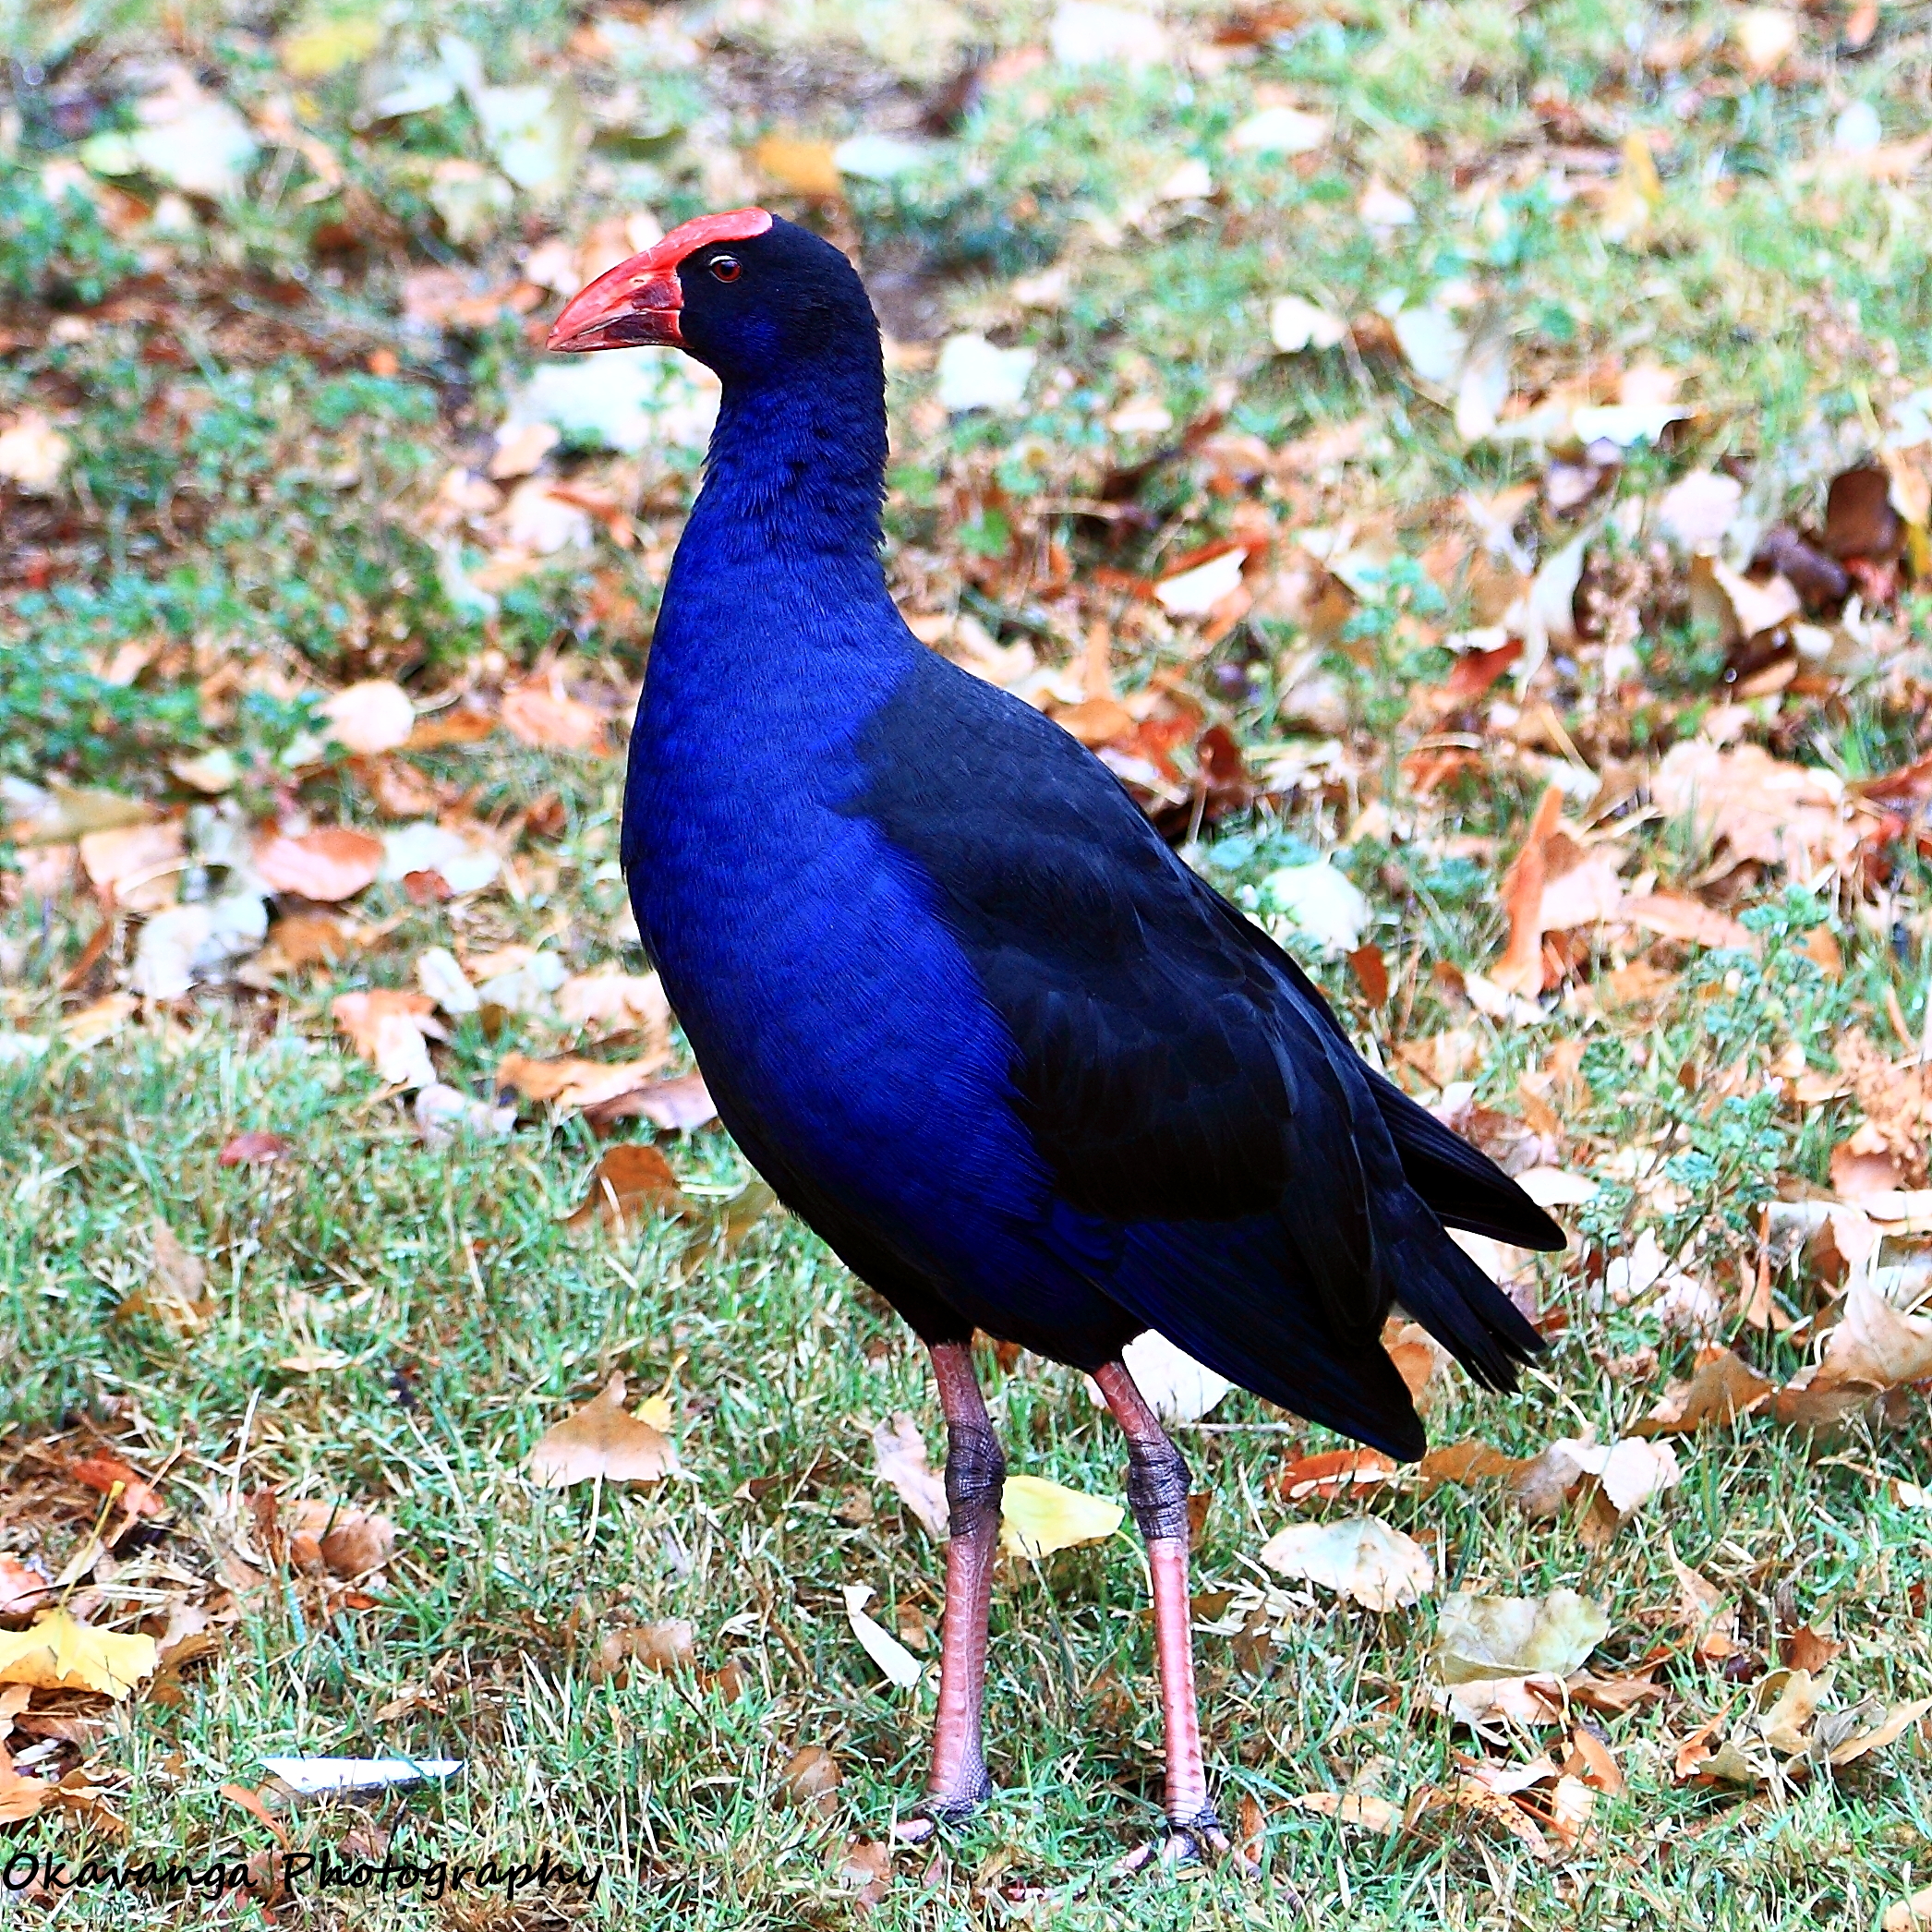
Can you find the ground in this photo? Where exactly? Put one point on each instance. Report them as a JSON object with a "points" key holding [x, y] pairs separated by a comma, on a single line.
{"points": [[1467, 469]]}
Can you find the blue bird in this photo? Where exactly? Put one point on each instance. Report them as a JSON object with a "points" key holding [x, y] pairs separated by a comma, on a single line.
{"points": [[966, 1011]]}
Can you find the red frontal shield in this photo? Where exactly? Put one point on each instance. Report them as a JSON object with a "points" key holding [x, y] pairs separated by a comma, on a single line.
{"points": [[639, 299]]}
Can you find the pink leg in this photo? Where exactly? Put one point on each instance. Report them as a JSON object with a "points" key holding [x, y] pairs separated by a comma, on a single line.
{"points": [[1157, 1490], [975, 1474]]}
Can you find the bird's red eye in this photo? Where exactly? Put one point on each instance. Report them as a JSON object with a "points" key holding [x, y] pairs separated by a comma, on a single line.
{"points": [[727, 267]]}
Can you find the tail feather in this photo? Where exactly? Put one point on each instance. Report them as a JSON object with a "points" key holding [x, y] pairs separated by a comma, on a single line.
{"points": [[1441, 1287], [1464, 1186]]}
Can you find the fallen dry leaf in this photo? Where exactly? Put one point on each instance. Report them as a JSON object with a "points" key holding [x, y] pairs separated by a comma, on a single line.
{"points": [[679, 1105], [611, 1000], [897, 1665], [1755, 807], [332, 863], [811, 1778], [899, 1450], [139, 865], [570, 1082], [392, 1031], [1036, 1517], [1335, 1472], [1482, 1636], [176, 1291], [865, 1871], [373, 717], [1352, 1807], [540, 712], [21, 1589], [110, 1476], [20, 1798], [630, 1182], [1677, 915], [1723, 1388], [1363, 1558], [1872, 1348], [601, 1440], [56, 1652], [1521, 967], [1704, 1610], [663, 1647], [253, 1149]]}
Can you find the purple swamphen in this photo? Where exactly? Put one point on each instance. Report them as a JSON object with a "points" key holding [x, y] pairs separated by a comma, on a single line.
{"points": [[963, 1009]]}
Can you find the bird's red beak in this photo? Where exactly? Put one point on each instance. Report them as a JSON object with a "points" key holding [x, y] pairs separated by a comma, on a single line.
{"points": [[639, 300]]}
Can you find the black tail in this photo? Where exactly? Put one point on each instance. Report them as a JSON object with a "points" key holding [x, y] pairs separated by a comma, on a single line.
{"points": [[1464, 1186]]}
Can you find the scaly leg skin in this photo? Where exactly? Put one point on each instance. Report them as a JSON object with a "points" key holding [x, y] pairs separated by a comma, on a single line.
{"points": [[1157, 1491], [975, 1474]]}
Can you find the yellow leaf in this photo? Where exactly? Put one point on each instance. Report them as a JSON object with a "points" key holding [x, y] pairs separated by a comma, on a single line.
{"points": [[656, 1410], [1036, 1517], [325, 45], [805, 167], [58, 1653]]}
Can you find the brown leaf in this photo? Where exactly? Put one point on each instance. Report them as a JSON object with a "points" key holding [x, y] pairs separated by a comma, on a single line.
{"points": [[1095, 720], [1371, 973], [631, 1181], [332, 863], [898, 1450], [1724, 1387], [1469, 1461], [570, 1082], [614, 999], [663, 1647], [1755, 807], [351, 1542], [801, 168], [1872, 1348], [139, 865], [21, 1797], [679, 1105], [256, 1806], [866, 1871], [375, 716], [1592, 1760], [1859, 518], [175, 1292], [1859, 1171], [1893, 1726], [540, 712], [391, 1029], [253, 1149], [1704, 1610], [1677, 915], [1521, 969], [306, 939], [811, 1778], [1806, 1649], [602, 1439]]}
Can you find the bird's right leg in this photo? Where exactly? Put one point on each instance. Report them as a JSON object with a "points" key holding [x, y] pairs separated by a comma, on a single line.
{"points": [[975, 1474]]}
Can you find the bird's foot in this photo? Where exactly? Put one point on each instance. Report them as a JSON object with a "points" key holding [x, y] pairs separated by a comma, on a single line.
{"points": [[1199, 1839], [944, 1810]]}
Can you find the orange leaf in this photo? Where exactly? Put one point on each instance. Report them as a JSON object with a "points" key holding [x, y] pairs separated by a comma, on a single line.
{"points": [[251, 1801], [1521, 969], [540, 712], [631, 1180], [335, 862]]}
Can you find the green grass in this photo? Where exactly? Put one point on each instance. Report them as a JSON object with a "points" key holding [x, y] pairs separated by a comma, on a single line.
{"points": [[246, 494]]}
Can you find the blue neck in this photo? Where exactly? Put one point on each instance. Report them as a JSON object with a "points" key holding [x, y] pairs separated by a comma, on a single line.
{"points": [[796, 475]]}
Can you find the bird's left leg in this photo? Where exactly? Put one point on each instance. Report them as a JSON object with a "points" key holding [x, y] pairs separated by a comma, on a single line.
{"points": [[1157, 1491], [975, 1476]]}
